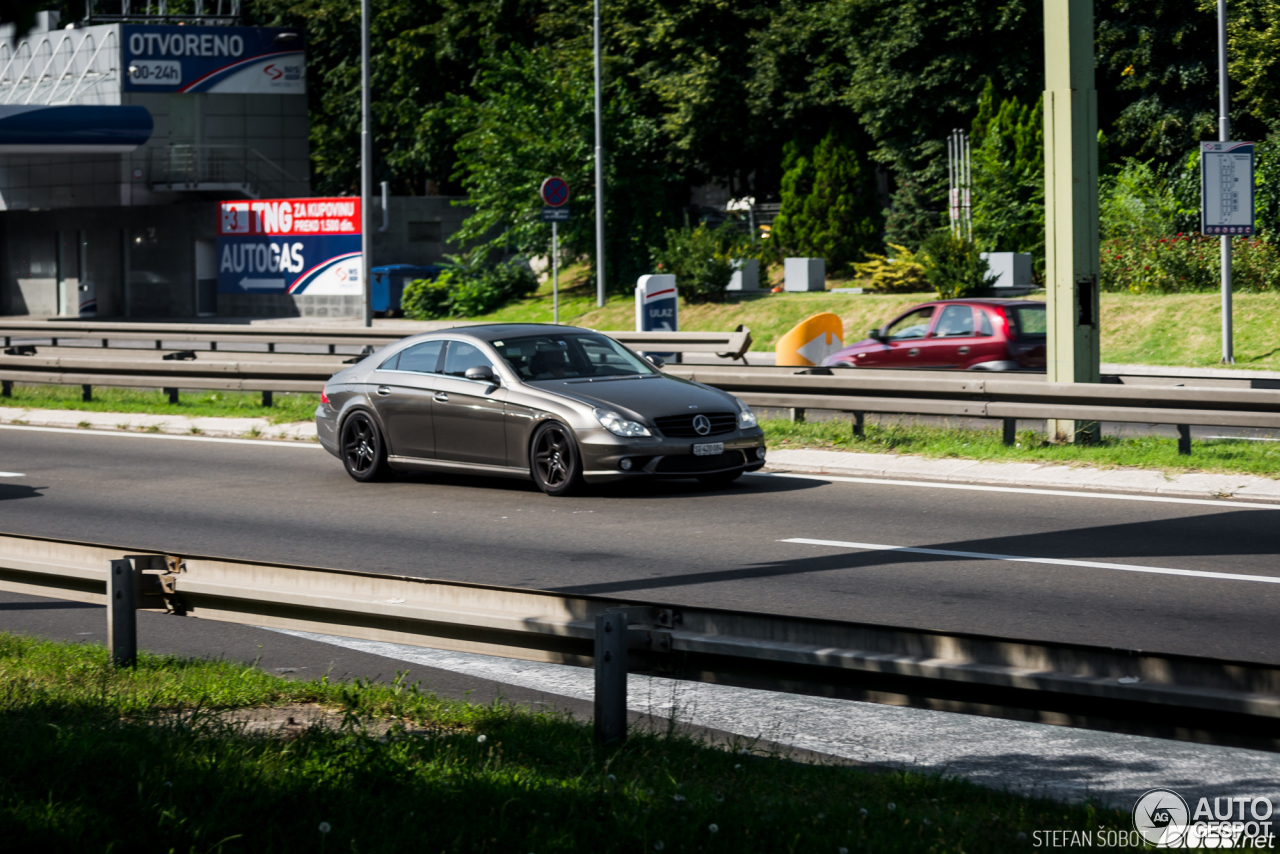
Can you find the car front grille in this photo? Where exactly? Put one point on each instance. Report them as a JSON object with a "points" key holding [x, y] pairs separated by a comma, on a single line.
{"points": [[690, 464], [681, 426]]}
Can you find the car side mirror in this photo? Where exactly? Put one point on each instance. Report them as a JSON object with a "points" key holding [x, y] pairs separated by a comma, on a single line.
{"points": [[656, 361], [483, 373], [877, 335]]}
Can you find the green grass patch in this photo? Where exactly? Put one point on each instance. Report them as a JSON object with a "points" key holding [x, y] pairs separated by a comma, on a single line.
{"points": [[1227, 456], [287, 407], [147, 759]]}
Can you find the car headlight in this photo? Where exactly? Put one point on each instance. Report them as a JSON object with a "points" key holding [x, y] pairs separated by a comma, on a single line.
{"points": [[746, 418], [619, 426]]}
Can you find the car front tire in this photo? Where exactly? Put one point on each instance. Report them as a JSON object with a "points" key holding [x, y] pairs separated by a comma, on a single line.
{"points": [[555, 463], [364, 454]]}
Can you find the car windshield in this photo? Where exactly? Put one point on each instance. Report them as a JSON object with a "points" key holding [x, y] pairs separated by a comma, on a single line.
{"points": [[1028, 321], [569, 356]]}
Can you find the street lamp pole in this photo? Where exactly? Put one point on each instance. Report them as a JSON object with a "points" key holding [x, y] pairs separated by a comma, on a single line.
{"points": [[599, 166], [1224, 134], [366, 168]]}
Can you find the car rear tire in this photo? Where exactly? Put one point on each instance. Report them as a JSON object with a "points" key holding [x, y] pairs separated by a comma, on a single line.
{"points": [[720, 478], [554, 462], [364, 454]]}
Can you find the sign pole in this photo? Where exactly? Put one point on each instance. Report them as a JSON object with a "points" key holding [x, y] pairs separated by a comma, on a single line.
{"points": [[555, 272], [599, 169], [366, 168], [1071, 203], [1224, 134]]}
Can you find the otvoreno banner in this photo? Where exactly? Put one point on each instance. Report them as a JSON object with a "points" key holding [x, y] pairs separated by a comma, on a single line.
{"points": [[290, 246], [229, 60]]}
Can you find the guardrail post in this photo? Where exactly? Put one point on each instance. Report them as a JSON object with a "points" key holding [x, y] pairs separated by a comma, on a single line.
{"points": [[122, 613], [271, 348], [213, 345], [333, 348], [86, 393], [158, 343], [1011, 431], [104, 343], [173, 394], [267, 399], [1184, 439], [6, 388], [859, 425], [611, 678], [797, 414]]}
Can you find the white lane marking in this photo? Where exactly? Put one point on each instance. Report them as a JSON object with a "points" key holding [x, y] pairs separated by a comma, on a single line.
{"points": [[273, 443], [11, 474], [1023, 490], [1090, 564]]}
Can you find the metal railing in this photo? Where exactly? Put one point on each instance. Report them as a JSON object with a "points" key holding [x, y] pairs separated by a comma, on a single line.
{"points": [[1075, 684], [220, 168]]}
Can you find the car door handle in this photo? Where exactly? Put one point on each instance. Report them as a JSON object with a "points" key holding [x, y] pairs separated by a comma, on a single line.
{"points": [[441, 397], [384, 390], [964, 351], [914, 351]]}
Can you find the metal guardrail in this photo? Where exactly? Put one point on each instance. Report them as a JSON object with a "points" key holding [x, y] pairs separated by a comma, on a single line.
{"points": [[1072, 684], [728, 344]]}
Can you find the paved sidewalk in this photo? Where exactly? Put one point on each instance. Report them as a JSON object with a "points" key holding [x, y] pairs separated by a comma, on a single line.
{"points": [[241, 428], [1087, 478]]}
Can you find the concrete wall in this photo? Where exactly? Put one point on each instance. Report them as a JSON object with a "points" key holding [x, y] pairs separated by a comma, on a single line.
{"points": [[420, 229]]}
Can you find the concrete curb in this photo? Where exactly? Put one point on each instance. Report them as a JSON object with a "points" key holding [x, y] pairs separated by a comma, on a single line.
{"points": [[238, 428], [1245, 487]]}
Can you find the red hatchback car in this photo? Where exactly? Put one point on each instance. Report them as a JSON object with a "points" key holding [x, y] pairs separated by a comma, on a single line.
{"points": [[964, 334]]}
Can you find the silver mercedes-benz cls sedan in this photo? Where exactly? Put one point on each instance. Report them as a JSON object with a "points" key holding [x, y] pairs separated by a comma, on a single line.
{"points": [[557, 404]]}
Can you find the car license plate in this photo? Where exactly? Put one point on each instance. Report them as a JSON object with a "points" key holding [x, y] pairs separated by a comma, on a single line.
{"points": [[708, 450]]}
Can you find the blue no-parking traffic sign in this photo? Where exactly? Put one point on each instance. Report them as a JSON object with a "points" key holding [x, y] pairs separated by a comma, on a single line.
{"points": [[555, 192]]}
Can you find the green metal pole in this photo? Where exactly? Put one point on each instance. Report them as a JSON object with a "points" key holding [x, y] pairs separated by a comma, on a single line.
{"points": [[1071, 203]]}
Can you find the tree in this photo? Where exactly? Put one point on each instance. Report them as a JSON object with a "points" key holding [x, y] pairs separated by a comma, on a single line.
{"points": [[1007, 144], [531, 117], [829, 204], [1253, 29]]}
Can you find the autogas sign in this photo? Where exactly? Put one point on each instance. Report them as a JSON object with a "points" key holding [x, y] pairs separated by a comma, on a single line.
{"points": [[290, 246], [245, 60]]}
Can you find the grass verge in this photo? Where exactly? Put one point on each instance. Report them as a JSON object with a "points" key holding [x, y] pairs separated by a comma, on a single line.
{"points": [[1180, 330], [1226, 456], [288, 407], [147, 759]]}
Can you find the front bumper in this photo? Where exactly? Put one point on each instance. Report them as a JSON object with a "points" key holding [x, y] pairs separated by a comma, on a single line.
{"points": [[603, 453]]}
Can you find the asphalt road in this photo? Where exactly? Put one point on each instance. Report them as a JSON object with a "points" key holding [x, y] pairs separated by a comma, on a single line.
{"points": [[677, 542]]}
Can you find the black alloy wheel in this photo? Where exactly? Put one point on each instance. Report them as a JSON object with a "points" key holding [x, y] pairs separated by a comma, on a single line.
{"points": [[556, 464], [363, 453]]}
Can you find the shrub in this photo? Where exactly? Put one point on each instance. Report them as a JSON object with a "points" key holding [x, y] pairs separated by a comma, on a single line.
{"points": [[468, 288], [1187, 263], [902, 274], [701, 259], [954, 266]]}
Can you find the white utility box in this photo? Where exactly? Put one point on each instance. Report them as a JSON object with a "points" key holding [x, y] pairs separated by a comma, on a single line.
{"points": [[1012, 269], [805, 274], [746, 275]]}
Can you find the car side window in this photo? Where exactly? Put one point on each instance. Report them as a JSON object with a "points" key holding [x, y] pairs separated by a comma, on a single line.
{"points": [[984, 323], [461, 356], [423, 358], [913, 325], [956, 321]]}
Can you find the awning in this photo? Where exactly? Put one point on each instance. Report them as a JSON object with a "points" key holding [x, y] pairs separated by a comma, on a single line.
{"points": [[42, 129]]}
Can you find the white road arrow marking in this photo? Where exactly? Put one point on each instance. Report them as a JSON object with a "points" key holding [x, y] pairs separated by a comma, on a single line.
{"points": [[820, 348], [260, 284]]}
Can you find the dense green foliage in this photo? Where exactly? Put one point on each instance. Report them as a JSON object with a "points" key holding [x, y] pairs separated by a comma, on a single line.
{"points": [[954, 266], [701, 259], [1007, 143], [467, 288], [160, 759], [486, 99], [829, 205]]}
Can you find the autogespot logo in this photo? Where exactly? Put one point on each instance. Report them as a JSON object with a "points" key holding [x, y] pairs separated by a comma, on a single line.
{"points": [[1160, 815]]}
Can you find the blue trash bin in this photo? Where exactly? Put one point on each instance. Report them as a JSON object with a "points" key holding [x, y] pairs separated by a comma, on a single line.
{"points": [[389, 282]]}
